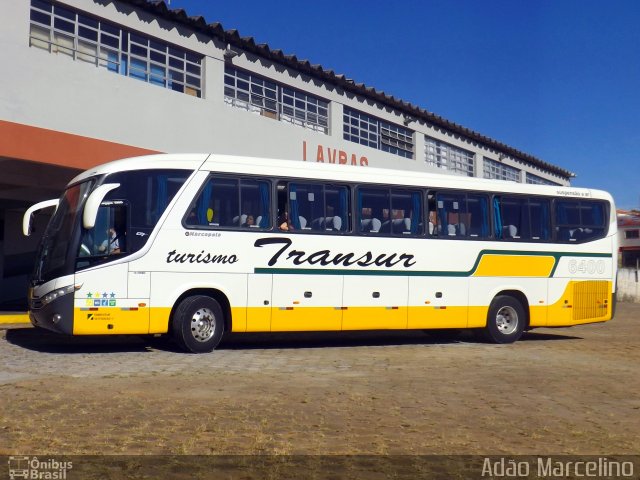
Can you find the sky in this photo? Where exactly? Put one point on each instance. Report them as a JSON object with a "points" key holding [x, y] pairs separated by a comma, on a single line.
{"points": [[558, 79]]}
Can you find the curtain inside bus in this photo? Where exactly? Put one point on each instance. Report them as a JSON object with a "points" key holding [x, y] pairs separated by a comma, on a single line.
{"points": [[497, 217], [417, 213], [484, 226]]}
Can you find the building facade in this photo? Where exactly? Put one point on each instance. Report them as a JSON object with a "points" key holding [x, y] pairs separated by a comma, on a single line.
{"points": [[95, 80], [629, 237]]}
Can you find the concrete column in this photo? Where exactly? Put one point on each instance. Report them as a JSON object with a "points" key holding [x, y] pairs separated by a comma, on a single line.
{"points": [[335, 120], [418, 148], [213, 80], [478, 165]]}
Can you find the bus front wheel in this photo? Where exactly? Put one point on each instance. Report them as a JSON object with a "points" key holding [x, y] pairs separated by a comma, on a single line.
{"points": [[198, 324], [505, 320]]}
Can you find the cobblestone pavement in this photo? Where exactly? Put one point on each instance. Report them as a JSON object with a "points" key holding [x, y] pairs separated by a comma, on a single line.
{"points": [[556, 391], [30, 353]]}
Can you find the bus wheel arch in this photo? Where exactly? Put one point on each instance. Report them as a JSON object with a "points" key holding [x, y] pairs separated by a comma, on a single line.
{"points": [[199, 318], [507, 317]]}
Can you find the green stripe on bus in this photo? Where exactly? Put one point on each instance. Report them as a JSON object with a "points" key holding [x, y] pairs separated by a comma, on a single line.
{"points": [[428, 273]]}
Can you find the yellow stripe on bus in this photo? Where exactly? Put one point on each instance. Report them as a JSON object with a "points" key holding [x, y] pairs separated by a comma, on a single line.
{"points": [[514, 266], [592, 298]]}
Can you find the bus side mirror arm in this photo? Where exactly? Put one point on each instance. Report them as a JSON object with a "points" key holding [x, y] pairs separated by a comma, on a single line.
{"points": [[93, 204], [26, 219]]}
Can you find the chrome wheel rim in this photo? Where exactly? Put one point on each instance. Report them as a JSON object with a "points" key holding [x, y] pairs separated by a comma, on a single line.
{"points": [[203, 325], [507, 320]]}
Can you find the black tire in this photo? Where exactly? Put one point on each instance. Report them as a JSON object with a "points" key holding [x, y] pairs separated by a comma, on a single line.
{"points": [[505, 321], [198, 324]]}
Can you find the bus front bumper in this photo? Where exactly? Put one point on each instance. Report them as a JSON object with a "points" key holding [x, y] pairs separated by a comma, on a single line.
{"points": [[56, 315]]}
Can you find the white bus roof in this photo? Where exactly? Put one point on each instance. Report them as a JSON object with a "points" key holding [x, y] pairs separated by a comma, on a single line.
{"points": [[327, 171]]}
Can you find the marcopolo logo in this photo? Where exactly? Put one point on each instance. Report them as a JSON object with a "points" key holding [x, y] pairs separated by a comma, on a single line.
{"points": [[37, 469]]}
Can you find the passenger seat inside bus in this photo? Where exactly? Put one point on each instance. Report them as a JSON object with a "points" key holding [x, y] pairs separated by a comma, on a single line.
{"points": [[239, 219], [370, 225], [327, 223], [510, 231], [401, 225], [454, 230]]}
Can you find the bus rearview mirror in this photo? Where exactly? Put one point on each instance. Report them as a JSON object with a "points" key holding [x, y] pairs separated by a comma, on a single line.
{"points": [[93, 204], [28, 215]]}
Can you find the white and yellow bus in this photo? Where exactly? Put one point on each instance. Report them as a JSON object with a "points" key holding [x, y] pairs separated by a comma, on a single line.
{"points": [[196, 245]]}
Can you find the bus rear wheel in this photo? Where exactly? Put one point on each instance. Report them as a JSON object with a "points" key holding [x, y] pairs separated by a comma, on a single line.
{"points": [[198, 324], [505, 320]]}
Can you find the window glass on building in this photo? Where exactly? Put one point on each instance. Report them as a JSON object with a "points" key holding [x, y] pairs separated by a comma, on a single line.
{"points": [[500, 171], [262, 96], [65, 31], [372, 132], [536, 180], [631, 234], [448, 157]]}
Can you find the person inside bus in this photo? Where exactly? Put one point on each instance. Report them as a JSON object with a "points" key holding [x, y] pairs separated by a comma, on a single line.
{"points": [[111, 245], [283, 222], [249, 222], [432, 222]]}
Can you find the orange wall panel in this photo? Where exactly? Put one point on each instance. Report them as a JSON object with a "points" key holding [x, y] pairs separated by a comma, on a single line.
{"points": [[26, 142]]}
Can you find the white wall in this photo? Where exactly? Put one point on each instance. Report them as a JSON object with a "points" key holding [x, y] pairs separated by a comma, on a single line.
{"points": [[55, 92], [628, 286]]}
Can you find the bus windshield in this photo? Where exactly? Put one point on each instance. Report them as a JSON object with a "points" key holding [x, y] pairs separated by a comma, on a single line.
{"points": [[52, 258], [128, 214]]}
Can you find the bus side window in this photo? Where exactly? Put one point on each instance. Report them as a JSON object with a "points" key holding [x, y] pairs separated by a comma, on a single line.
{"points": [[232, 203], [337, 207], [452, 214], [406, 212], [540, 217], [216, 204], [514, 213], [109, 235], [567, 220], [580, 220], [255, 204], [373, 209], [477, 216]]}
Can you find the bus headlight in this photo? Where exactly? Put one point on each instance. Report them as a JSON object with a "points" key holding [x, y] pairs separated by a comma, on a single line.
{"points": [[60, 292]]}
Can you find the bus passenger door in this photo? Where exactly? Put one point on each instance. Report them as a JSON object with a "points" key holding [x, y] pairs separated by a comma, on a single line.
{"points": [[104, 304], [438, 302], [259, 288], [111, 299], [306, 302]]}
